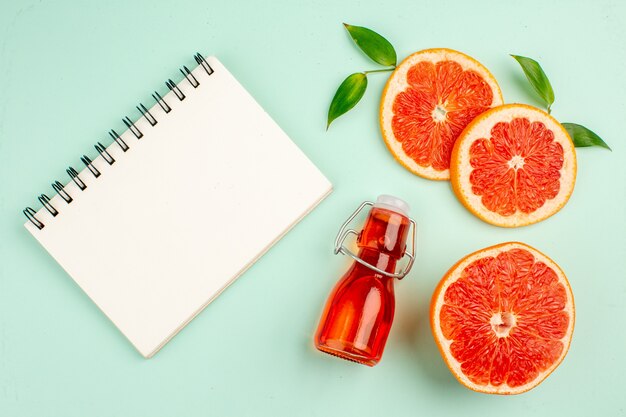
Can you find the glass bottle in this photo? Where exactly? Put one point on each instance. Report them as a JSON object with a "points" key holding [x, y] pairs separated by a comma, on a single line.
{"points": [[357, 317]]}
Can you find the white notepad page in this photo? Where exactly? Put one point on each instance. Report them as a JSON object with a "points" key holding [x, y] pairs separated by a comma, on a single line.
{"points": [[192, 204]]}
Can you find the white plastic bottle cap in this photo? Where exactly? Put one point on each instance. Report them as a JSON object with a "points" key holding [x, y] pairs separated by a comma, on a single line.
{"points": [[390, 202]]}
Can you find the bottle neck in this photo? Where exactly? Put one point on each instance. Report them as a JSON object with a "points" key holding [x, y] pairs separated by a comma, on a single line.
{"points": [[382, 241], [379, 259]]}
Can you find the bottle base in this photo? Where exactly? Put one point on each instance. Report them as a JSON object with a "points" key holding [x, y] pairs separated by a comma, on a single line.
{"points": [[352, 356]]}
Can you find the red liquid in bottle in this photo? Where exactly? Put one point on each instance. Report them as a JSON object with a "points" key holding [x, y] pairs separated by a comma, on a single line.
{"points": [[357, 318]]}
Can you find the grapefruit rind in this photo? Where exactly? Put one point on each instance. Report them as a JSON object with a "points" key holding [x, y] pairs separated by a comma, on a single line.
{"points": [[443, 344], [480, 127], [397, 82]]}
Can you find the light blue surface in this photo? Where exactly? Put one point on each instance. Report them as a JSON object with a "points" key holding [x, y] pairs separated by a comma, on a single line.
{"points": [[71, 70]]}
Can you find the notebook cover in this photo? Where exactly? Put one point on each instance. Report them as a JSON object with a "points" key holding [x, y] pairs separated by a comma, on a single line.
{"points": [[181, 214]]}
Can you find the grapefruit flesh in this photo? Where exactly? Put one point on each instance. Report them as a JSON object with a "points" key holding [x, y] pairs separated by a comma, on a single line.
{"points": [[503, 318], [513, 165], [428, 100]]}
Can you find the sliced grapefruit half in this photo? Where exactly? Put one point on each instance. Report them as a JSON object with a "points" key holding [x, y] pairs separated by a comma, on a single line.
{"points": [[503, 318], [513, 165], [428, 100]]}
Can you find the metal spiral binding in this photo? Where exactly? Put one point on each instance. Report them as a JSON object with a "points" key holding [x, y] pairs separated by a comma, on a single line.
{"points": [[30, 214], [131, 126], [118, 139], [45, 201], [166, 108], [74, 176], [189, 76], [104, 153], [89, 164], [173, 87], [145, 113], [201, 61], [59, 188]]}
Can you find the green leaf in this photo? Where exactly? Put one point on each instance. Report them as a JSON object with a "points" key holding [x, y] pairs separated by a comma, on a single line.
{"points": [[537, 78], [348, 94], [584, 137], [375, 46]]}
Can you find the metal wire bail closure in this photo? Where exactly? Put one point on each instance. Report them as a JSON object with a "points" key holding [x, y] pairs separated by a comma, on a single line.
{"points": [[344, 232]]}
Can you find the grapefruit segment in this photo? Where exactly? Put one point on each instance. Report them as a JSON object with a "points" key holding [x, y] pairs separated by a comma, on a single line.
{"points": [[513, 165], [503, 318], [428, 100]]}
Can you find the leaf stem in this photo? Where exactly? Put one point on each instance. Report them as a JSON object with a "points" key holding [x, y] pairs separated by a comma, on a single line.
{"points": [[380, 70], [549, 108]]}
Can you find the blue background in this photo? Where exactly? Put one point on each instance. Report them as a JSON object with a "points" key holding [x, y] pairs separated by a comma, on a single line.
{"points": [[69, 71]]}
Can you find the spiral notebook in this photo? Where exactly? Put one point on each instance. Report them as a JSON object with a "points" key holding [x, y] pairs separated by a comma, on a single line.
{"points": [[178, 205]]}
